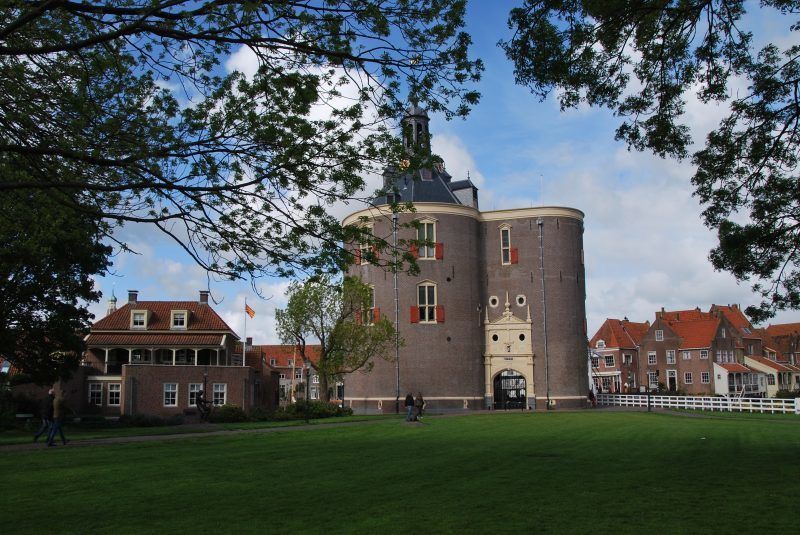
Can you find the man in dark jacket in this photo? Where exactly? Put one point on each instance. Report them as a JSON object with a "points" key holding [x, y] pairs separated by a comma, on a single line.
{"points": [[409, 407], [46, 414]]}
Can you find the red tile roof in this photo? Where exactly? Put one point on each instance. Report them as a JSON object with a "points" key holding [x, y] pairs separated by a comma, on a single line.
{"points": [[736, 368], [281, 354], [692, 314], [145, 339], [620, 333], [201, 317], [771, 364], [695, 334], [784, 329], [737, 318]]}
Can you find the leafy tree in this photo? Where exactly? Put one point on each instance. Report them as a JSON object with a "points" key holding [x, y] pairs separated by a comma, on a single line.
{"points": [[123, 112], [48, 257], [640, 58], [337, 315]]}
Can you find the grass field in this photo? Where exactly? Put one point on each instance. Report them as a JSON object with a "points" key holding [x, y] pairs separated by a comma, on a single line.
{"points": [[583, 472]]}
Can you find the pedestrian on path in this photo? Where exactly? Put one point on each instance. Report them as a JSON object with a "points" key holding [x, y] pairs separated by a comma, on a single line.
{"points": [[409, 407], [46, 414], [58, 421], [419, 404]]}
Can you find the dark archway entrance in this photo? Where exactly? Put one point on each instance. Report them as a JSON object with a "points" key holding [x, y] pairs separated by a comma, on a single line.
{"points": [[509, 390]]}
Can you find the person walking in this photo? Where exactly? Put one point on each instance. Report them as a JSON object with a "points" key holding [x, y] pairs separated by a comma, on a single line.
{"points": [[58, 420], [409, 407], [46, 414], [203, 406], [419, 404]]}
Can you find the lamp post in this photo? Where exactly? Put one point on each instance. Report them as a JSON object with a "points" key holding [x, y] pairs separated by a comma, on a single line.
{"points": [[396, 319], [308, 388]]}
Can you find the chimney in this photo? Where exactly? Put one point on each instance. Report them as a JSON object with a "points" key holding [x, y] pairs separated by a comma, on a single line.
{"points": [[133, 296], [203, 297]]}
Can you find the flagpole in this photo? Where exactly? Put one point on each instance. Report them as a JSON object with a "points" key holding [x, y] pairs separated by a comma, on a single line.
{"points": [[244, 345]]}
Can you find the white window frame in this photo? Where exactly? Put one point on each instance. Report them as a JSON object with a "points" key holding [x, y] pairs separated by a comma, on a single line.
{"points": [[601, 344], [194, 389], [705, 378], [174, 316], [670, 356], [688, 379], [315, 379], [96, 391], [170, 395], [722, 332], [219, 393], [704, 354], [273, 362], [627, 358], [652, 380], [609, 358], [429, 309], [282, 376], [595, 361], [116, 389], [298, 373], [426, 232], [686, 355], [365, 247], [505, 248], [138, 315], [659, 335], [652, 358]]}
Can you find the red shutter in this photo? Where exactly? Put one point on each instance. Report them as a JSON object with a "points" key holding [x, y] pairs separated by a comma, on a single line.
{"points": [[439, 314], [439, 251], [414, 250], [358, 255], [514, 255], [376, 315], [414, 315]]}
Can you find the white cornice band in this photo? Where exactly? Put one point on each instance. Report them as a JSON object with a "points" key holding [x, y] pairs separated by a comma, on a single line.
{"points": [[421, 208]]}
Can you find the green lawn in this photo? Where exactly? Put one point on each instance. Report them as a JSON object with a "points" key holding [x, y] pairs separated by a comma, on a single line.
{"points": [[583, 472]]}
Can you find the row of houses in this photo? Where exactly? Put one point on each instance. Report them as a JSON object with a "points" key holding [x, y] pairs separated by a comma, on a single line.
{"points": [[697, 353], [155, 357]]}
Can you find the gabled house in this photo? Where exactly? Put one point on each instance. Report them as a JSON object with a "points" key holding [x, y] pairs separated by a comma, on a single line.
{"points": [[290, 370], [153, 357], [737, 380], [614, 355]]}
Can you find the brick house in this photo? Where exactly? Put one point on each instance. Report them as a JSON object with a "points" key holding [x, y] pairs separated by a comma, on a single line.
{"points": [[153, 357], [614, 355]]}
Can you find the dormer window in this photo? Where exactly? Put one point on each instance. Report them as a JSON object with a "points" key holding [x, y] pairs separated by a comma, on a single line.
{"points": [[179, 319], [138, 319], [601, 343]]}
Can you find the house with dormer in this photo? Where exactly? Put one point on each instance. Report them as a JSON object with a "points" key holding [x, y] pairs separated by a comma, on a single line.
{"points": [[154, 357], [614, 355]]}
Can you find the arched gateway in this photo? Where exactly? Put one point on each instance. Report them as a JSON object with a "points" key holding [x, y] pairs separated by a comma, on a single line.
{"points": [[508, 360], [510, 390]]}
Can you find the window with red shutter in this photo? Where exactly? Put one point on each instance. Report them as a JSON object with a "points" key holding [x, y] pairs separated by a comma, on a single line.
{"points": [[414, 250], [439, 314], [439, 251], [376, 315], [414, 315], [514, 255]]}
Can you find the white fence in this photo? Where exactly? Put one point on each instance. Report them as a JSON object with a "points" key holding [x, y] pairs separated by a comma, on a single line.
{"points": [[786, 406]]}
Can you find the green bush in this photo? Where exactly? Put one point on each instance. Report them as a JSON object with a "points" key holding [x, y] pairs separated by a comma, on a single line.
{"points": [[228, 413], [261, 414], [312, 409], [787, 394], [141, 420]]}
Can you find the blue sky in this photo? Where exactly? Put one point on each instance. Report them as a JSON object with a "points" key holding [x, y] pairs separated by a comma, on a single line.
{"points": [[645, 245]]}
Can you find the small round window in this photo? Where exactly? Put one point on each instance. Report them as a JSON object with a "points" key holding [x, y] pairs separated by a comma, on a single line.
{"points": [[494, 301], [520, 300], [521, 337], [495, 338]]}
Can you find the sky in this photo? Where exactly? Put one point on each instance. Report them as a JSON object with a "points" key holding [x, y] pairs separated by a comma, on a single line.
{"points": [[645, 244]]}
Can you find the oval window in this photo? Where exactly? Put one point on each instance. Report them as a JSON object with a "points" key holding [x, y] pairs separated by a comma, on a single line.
{"points": [[521, 337], [495, 338], [493, 301]]}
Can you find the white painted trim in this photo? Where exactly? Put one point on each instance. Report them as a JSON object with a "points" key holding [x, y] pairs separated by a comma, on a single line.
{"points": [[109, 378], [384, 210], [439, 398]]}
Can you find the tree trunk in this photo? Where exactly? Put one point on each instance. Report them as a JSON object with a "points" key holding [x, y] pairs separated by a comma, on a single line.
{"points": [[324, 395]]}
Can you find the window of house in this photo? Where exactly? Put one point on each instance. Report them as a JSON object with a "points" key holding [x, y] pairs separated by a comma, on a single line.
{"points": [[627, 358], [114, 390], [426, 235], [651, 357], [521, 300], [601, 344], [722, 332], [426, 302], [659, 335], [272, 362], [670, 356], [652, 379], [170, 394], [750, 349], [314, 392], [687, 355], [494, 301], [372, 312], [704, 353], [364, 247], [290, 362], [595, 362], [609, 361], [95, 393], [138, 319], [705, 378], [298, 373], [687, 378], [194, 388], [771, 379], [178, 319], [220, 393], [505, 245], [282, 376], [315, 380]]}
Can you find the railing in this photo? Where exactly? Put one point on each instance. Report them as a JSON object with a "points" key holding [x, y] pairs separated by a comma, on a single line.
{"points": [[704, 403]]}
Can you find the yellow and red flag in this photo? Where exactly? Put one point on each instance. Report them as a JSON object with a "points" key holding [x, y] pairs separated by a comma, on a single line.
{"points": [[250, 312]]}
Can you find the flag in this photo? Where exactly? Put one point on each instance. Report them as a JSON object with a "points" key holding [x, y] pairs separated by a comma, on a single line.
{"points": [[250, 312]]}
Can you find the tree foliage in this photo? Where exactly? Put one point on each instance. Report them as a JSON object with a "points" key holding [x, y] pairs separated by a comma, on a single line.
{"points": [[640, 58], [47, 258], [337, 315], [124, 111]]}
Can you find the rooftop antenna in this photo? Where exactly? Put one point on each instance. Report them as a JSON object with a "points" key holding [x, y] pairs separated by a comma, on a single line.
{"points": [[541, 190]]}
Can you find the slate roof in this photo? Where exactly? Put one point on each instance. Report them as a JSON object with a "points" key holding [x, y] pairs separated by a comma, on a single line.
{"points": [[425, 185], [201, 317]]}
